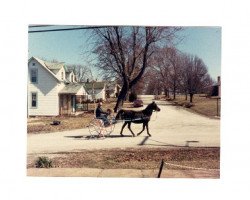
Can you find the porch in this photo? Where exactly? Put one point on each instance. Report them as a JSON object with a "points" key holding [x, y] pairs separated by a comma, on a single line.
{"points": [[71, 104], [72, 99]]}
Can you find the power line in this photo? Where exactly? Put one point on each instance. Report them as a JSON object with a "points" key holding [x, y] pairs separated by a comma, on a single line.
{"points": [[35, 26], [66, 29]]}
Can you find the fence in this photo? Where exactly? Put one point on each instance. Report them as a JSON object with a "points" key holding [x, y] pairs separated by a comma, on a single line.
{"points": [[181, 166]]}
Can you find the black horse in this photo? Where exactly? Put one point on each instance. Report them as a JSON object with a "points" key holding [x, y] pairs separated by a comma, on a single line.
{"points": [[137, 117]]}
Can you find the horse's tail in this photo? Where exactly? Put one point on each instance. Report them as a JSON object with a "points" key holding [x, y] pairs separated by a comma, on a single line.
{"points": [[119, 115]]}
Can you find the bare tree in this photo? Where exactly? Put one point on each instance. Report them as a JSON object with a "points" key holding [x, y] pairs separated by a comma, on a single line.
{"points": [[126, 51], [175, 65], [194, 75], [154, 82], [82, 73], [168, 64]]}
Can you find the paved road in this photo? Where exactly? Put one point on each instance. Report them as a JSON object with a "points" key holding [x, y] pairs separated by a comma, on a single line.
{"points": [[171, 127]]}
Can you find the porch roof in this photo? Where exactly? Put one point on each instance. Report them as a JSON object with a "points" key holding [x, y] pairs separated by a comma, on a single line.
{"points": [[71, 88]]}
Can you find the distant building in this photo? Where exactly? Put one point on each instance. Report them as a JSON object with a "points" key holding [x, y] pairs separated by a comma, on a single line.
{"points": [[95, 90], [112, 89], [216, 88]]}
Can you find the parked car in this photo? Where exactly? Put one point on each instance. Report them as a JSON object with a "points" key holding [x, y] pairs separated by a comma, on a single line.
{"points": [[138, 103]]}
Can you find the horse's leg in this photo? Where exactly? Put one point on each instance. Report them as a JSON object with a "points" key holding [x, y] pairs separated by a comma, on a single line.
{"points": [[147, 129], [123, 126], [143, 128], [129, 127]]}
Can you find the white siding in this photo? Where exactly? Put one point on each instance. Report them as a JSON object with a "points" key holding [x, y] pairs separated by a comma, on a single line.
{"points": [[69, 77], [100, 94], [59, 74], [47, 92], [82, 91]]}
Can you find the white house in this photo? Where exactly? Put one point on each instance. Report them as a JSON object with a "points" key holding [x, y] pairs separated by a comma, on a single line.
{"points": [[52, 88], [112, 89], [96, 90]]}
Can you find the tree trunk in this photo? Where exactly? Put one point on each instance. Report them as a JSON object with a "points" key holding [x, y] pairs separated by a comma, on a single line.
{"points": [[191, 97], [174, 92], [166, 92], [122, 95], [120, 99], [186, 96]]}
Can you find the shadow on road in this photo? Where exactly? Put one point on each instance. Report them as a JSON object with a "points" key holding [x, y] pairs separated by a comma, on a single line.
{"points": [[87, 137], [160, 143], [76, 136]]}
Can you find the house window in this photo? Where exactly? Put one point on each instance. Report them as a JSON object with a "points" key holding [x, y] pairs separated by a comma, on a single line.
{"points": [[33, 76], [33, 100], [62, 75], [33, 64]]}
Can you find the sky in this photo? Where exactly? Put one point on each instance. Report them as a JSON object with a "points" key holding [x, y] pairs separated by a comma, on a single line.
{"points": [[69, 46], [205, 42]]}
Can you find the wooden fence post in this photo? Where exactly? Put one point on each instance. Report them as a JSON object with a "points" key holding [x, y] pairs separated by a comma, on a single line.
{"points": [[218, 109], [161, 167]]}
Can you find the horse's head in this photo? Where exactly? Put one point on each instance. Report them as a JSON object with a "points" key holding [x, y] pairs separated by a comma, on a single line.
{"points": [[154, 106]]}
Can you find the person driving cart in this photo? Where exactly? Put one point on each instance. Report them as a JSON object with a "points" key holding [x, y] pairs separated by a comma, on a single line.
{"points": [[100, 114]]}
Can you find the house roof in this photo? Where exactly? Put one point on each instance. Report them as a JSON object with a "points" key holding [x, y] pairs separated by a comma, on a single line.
{"points": [[67, 70], [71, 88], [53, 68], [42, 63], [112, 84], [97, 85], [55, 65]]}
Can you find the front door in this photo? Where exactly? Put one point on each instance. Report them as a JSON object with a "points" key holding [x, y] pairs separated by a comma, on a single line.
{"points": [[65, 104]]}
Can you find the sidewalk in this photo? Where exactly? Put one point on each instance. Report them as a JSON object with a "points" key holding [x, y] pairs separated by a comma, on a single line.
{"points": [[120, 173]]}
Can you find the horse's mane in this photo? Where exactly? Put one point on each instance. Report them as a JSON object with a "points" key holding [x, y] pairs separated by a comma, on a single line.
{"points": [[120, 112]]}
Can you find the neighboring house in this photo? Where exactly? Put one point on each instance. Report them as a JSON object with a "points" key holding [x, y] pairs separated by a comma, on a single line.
{"points": [[69, 75], [216, 88], [52, 88], [96, 90], [112, 89]]}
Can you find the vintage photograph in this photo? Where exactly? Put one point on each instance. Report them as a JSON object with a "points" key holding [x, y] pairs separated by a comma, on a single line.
{"points": [[123, 101]]}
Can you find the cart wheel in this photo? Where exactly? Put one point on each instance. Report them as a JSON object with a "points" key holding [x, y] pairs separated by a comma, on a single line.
{"points": [[109, 129], [95, 128]]}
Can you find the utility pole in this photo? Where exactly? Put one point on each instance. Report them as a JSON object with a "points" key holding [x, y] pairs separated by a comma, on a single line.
{"points": [[93, 94]]}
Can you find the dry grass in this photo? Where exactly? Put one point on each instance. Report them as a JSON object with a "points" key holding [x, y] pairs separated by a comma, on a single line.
{"points": [[201, 104], [44, 124], [134, 158]]}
